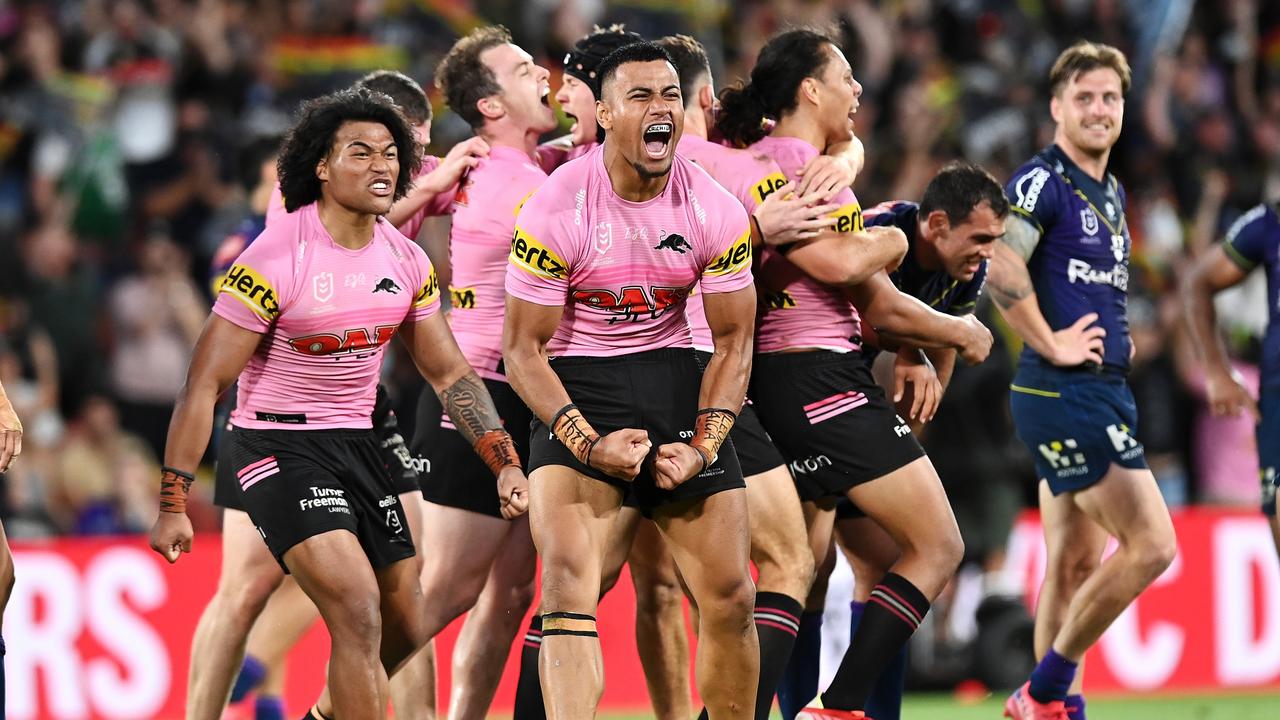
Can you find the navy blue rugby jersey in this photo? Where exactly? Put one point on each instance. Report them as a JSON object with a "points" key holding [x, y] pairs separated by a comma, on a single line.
{"points": [[1081, 264], [1253, 240]]}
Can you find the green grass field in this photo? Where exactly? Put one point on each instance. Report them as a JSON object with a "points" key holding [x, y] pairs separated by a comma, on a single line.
{"points": [[1160, 707]]}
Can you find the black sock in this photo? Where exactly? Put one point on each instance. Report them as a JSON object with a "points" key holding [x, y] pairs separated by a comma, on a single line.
{"points": [[529, 687], [777, 623], [315, 714], [893, 613]]}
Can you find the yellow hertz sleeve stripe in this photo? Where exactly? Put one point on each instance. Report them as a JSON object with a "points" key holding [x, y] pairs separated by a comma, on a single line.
{"points": [[535, 258], [516, 210], [737, 257], [250, 288], [429, 291], [848, 218], [767, 186]]}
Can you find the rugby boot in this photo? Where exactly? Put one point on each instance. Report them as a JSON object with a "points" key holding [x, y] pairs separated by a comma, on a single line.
{"points": [[1021, 706]]}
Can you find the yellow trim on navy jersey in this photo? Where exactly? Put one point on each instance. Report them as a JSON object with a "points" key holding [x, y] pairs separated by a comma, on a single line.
{"points": [[1236, 257], [1033, 391]]}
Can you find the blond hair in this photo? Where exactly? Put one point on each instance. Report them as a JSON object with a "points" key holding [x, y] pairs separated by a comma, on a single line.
{"points": [[1084, 57]]}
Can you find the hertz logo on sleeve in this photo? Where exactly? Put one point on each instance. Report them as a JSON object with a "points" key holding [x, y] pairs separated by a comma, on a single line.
{"points": [[768, 186], [737, 257], [535, 258], [250, 288], [429, 291], [848, 218]]}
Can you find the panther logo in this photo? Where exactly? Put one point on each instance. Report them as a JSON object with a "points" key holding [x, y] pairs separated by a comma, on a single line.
{"points": [[674, 242], [386, 285]]}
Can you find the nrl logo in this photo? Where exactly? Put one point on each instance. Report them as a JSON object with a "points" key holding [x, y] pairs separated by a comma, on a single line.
{"points": [[604, 237], [1089, 221], [322, 286]]}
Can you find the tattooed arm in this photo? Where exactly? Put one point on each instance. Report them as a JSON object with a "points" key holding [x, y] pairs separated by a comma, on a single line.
{"points": [[1011, 288], [467, 401]]}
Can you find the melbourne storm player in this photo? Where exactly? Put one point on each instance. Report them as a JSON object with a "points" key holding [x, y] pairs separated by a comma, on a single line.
{"points": [[597, 343], [951, 234], [1060, 277], [307, 346], [1253, 241]]}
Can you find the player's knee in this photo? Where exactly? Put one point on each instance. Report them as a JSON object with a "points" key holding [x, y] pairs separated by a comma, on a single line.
{"points": [[247, 599], [1072, 569], [787, 566], [7, 576], [730, 602], [1155, 552], [355, 617], [566, 584], [656, 592], [948, 551]]}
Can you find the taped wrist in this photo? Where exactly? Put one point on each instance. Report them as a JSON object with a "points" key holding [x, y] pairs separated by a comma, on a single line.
{"points": [[568, 623], [710, 428], [498, 450], [575, 432], [174, 485]]}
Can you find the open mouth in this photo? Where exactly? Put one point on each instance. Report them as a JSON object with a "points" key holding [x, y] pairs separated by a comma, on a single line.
{"points": [[546, 96], [381, 188], [657, 138]]}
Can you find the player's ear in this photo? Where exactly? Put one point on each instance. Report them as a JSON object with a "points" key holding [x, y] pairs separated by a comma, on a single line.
{"points": [[322, 168], [938, 222], [706, 98], [809, 90], [491, 107], [604, 117], [1055, 109]]}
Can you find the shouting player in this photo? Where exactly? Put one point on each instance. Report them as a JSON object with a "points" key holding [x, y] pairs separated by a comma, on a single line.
{"points": [[305, 335], [597, 343], [1060, 277]]}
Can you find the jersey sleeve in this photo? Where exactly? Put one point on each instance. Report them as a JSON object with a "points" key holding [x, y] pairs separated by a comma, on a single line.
{"points": [[1035, 195], [537, 270], [426, 301], [727, 243], [252, 291], [1248, 237], [767, 179]]}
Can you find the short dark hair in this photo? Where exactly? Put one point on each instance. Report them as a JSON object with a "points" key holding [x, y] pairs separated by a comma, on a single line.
{"points": [[643, 51], [1084, 57], [403, 90], [958, 188], [310, 140], [464, 79], [584, 58], [784, 62], [691, 62]]}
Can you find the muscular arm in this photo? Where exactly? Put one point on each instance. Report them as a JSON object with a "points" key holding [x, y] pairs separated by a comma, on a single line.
{"points": [[731, 317], [221, 352], [461, 391], [944, 364], [849, 258], [1213, 272], [10, 432], [903, 319]]}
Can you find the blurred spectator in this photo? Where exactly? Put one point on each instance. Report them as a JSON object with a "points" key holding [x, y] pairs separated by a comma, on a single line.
{"points": [[104, 482], [156, 317]]}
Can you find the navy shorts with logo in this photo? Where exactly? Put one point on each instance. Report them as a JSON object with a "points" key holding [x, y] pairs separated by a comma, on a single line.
{"points": [[1269, 446], [756, 452], [296, 484], [832, 422], [656, 391], [1077, 423], [453, 474], [395, 454]]}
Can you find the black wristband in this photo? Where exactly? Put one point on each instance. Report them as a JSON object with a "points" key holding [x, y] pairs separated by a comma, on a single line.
{"points": [[184, 475], [705, 411], [559, 414]]}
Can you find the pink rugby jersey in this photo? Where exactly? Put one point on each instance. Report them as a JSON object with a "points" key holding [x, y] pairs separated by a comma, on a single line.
{"points": [[439, 205], [797, 311], [749, 177], [484, 219], [622, 270], [326, 312]]}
